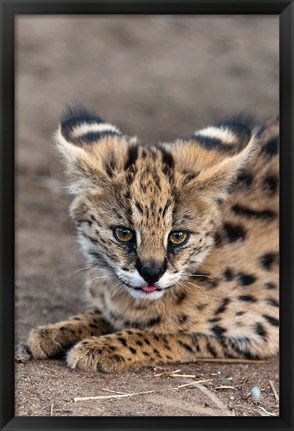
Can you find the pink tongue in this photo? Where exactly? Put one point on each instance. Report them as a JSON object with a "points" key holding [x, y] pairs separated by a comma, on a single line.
{"points": [[149, 288]]}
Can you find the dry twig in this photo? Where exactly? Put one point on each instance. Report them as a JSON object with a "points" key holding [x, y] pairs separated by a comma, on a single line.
{"points": [[183, 375], [274, 390], [123, 395], [114, 392], [107, 397], [192, 383], [225, 387], [265, 411], [244, 396]]}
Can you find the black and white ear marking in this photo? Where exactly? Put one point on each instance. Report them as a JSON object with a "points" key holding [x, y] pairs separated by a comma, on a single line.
{"points": [[81, 139], [229, 136], [214, 155], [79, 126]]}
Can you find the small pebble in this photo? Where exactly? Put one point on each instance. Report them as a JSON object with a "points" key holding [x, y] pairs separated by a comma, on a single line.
{"points": [[255, 394]]}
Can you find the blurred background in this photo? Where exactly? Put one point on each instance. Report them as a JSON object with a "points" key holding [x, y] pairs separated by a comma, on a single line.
{"points": [[157, 77]]}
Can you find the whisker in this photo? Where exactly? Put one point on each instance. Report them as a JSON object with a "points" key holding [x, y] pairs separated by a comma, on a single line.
{"points": [[87, 282], [98, 278], [118, 286], [199, 275], [79, 270], [198, 287], [119, 289]]}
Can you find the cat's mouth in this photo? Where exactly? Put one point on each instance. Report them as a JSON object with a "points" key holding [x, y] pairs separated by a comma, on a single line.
{"points": [[149, 291], [150, 288], [138, 288]]}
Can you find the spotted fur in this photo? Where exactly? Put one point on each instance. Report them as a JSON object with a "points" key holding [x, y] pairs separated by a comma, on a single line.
{"points": [[213, 296]]}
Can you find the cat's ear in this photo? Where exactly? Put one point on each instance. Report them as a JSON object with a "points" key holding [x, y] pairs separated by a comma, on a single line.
{"points": [[212, 157], [90, 147]]}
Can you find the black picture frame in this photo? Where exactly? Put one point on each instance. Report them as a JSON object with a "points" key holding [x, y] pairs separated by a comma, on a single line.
{"points": [[9, 10]]}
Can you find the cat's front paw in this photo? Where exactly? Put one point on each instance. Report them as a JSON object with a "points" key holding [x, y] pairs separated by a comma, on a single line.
{"points": [[49, 341], [99, 354]]}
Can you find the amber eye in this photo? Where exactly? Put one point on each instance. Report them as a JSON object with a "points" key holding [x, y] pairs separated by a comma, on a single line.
{"points": [[123, 234], [178, 237]]}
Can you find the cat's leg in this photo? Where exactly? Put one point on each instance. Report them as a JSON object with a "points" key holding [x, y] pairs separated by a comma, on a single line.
{"points": [[51, 340], [119, 351]]}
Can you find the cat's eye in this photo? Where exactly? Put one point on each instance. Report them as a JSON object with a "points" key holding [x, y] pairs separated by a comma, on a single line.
{"points": [[178, 237], [123, 234]]}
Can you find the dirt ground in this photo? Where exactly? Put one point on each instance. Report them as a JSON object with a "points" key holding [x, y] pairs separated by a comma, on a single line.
{"points": [[158, 77]]}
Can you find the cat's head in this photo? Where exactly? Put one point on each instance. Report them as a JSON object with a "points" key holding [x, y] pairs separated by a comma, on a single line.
{"points": [[148, 214]]}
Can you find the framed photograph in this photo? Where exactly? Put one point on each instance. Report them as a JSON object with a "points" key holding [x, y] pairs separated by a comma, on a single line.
{"points": [[146, 190]]}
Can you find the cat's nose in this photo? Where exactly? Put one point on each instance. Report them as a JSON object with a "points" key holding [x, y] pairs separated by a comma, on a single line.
{"points": [[151, 271]]}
